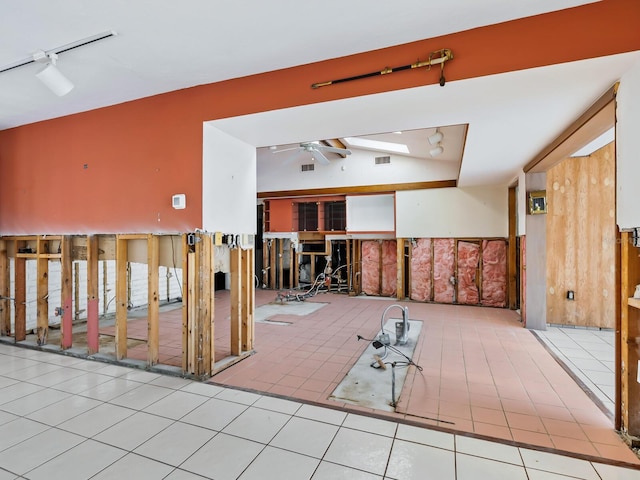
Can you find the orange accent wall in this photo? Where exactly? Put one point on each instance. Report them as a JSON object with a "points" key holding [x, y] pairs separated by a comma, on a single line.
{"points": [[280, 216], [115, 169]]}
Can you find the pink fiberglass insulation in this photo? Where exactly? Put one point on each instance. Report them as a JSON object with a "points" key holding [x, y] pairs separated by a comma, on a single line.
{"points": [[371, 267], [389, 268], [494, 273], [468, 260], [443, 270], [420, 270]]}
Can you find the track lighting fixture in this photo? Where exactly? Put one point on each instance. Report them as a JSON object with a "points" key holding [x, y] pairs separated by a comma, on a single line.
{"points": [[435, 151], [435, 140], [50, 76]]}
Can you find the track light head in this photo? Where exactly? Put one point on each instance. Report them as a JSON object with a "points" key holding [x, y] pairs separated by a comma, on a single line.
{"points": [[54, 80], [436, 138], [434, 152]]}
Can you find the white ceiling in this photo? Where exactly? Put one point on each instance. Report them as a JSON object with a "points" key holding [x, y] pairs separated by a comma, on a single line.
{"points": [[164, 45]]}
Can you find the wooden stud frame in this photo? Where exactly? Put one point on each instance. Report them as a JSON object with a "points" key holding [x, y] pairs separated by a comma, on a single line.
{"points": [[630, 337], [5, 291]]}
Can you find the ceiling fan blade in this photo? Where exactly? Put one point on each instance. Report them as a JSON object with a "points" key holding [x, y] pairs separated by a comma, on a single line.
{"points": [[319, 156], [341, 151], [285, 150]]}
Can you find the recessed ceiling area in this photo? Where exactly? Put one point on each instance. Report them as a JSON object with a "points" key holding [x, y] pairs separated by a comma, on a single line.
{"points": [[440, 144]]}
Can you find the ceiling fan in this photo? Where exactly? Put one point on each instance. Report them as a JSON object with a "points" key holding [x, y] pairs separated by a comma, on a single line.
{"points": [[317, 151]]}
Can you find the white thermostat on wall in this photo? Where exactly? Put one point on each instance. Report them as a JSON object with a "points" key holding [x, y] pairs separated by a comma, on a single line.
{"points": [[179, 201]]}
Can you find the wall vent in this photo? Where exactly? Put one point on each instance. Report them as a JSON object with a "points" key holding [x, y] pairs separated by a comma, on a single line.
{"points": [[307, 167], [383, 160]]}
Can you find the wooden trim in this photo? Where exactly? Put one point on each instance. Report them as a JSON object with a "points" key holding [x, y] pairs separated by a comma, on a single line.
{"points": [[598, 118], [153, 299], [93, 327], [512, 272], [66, 294], [122, 299], [382, 188]]}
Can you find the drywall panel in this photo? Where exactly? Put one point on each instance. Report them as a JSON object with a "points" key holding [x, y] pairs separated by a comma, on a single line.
{"points": [[581, 240], [453, 212], [628, 149], [370, 213], [228, 183], [536, 261]]}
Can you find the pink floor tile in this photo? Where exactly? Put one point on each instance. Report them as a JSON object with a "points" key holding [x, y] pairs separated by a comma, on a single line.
{"points": [[482, 372]]}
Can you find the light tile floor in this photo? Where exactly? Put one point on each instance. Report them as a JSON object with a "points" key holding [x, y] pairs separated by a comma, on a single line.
{"points": [[98, 421], [589, 355]]}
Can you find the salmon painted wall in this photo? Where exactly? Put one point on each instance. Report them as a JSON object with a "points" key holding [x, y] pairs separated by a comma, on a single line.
{"points": [[114, 169]]}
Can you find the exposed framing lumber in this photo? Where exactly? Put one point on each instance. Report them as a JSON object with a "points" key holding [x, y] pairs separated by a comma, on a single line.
{"points": [[192, 347], [5, 291], [400, 275], [42, 302], [20, 297], [236, 300], [265, 262], [352, 190], [630, 338], [291, 264], [281, 263], [122, 299], [247, 293], [153, 299], [66, 294], [93, 326], [186, 272], [76, 291], [619, 306], [272, 262]]}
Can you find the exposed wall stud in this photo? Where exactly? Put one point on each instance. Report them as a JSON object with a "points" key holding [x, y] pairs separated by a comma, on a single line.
{"points": [[122, 301], [153, 299], [93, 326], [66, 294]]}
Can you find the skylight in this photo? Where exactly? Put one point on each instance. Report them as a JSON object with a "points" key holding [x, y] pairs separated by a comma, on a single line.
{"points": [[604, 139], [377, 145]]}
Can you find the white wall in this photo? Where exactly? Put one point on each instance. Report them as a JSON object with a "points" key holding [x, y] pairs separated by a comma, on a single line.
{"points": [[453, 212], [278, 172], [628, 149], [228, 183], [370, 213]]}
